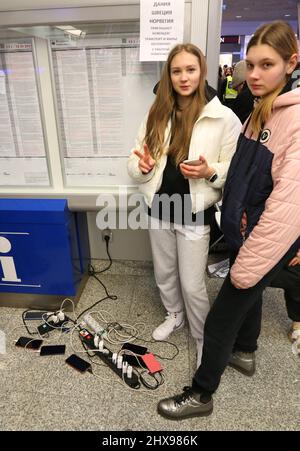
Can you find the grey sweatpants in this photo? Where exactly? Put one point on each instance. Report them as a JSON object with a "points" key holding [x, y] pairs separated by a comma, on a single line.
{"points": [[180, 258]]}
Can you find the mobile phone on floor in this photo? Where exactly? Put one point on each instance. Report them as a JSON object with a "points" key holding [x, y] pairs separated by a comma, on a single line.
{"points": [[53, 349], [35, 315], [78, 363], [136, 349], [30, 343], [133, 356]]}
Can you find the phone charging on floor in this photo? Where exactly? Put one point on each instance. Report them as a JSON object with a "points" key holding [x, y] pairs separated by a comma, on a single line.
{"points": [[78, 363], [53, 349]]}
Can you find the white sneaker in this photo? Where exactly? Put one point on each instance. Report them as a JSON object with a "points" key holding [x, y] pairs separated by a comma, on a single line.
{"points": [[173, 321], [294, 337]]}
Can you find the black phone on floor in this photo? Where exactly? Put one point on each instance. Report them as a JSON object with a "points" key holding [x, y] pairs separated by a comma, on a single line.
{"points": [[35, 315], [53, 349], [78, 363], [136, 349], [133, 356], [29, 343]]}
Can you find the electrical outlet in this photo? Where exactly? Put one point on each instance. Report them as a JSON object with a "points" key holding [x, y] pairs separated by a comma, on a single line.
{"points": [[107, 233]]}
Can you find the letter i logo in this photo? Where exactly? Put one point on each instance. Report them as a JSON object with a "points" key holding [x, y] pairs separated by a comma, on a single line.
{"points": [[7, 263]]}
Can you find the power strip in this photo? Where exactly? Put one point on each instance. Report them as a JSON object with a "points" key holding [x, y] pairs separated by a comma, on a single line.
{"points": [[47, 327], [106, 356]]}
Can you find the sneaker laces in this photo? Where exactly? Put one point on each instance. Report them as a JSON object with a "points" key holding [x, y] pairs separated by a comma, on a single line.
{"points": [[183, 397], [171, 315]]}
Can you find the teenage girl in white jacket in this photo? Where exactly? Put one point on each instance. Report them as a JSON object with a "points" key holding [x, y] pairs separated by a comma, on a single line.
{"points": [[184, 122]]}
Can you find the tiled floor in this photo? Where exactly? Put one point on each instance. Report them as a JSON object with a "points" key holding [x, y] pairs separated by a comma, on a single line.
{"points": [[43, 393]]}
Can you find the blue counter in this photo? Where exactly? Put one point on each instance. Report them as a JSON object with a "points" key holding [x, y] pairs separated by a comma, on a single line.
{"points": [[44, 248]]}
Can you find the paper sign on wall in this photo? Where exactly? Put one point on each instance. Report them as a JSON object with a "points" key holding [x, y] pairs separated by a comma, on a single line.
{"points": [[161, 25]]}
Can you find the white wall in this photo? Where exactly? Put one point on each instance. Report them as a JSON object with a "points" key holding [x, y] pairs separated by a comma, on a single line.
{"points": [[125, 244]]}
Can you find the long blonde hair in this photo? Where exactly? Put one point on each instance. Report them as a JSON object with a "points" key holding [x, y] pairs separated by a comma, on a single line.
{"points": [[280, 36], [165, 107]]}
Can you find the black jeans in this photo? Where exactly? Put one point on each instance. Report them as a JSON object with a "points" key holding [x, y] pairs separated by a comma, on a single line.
{"points": [[289, 280], [232, 323]]}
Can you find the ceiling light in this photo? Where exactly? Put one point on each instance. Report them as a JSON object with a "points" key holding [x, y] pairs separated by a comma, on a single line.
{"points": [[69, 30], [65, 27], [238, 17], [287, 15]]}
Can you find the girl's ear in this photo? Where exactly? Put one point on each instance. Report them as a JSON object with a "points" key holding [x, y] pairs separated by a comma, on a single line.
{"points": [[292, 64]]}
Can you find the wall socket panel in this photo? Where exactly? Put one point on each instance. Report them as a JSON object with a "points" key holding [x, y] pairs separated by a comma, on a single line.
{"points": [[107, 232]]}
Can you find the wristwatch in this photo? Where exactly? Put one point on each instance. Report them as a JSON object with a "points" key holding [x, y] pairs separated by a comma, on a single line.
{"points": [[213, 177]]}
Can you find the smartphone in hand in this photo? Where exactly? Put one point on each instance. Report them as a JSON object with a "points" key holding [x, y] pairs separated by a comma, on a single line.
{"points": [[192, 162]]}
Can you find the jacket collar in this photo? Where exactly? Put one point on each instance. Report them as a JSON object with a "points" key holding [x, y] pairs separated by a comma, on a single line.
{"points": [[213, 109]]}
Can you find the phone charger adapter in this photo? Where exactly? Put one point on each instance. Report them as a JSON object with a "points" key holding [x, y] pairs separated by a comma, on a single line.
{"points": [[47, 327]]}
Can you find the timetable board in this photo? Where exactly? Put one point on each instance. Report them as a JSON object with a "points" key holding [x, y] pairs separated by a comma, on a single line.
{"points": [[103, 93], [23, 156]]}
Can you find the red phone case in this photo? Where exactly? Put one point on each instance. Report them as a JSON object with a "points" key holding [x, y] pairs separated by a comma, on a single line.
{"points": [[151, 363]]}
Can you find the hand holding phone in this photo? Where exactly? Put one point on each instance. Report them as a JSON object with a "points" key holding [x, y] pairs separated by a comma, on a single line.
{"points": [[196, 169], [192, 162]]}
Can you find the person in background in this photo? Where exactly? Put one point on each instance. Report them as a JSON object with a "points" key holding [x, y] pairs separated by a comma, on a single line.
{"points": [[296, 77], [180, 125], [260, 218], [227, 93], [220, 84], [243, 104]]}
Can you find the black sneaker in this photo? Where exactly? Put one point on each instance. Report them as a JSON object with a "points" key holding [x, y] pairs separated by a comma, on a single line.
{"points": [[186, 405], [244, 362]]}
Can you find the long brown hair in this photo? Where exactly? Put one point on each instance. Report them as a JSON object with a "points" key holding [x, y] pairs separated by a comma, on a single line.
{"points": [[280, 36], [165, 107]]}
